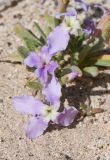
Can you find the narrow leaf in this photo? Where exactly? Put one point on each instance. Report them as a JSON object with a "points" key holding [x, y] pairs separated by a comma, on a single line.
{"points": [[23, 51], [34, 85], [86, 49], [99, 60], [31, 45], [70, 69], [103, 63], [98, 45], [51, 21], [24, 33], [41, 32]]}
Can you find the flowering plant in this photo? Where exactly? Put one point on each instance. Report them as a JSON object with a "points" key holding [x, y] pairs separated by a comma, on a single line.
{"points": [[70, 48]]}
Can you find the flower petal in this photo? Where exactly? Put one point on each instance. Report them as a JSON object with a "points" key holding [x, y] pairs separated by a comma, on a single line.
{"points": [[53, 92], [43, 1], [45, 54], [28, 105], [66, 117], [33, 60], [52, 67], [42, 74], [35, 127], [45, 49], [71, 76], [58, 39], [70, 12], [84, 5], [90, 27]]}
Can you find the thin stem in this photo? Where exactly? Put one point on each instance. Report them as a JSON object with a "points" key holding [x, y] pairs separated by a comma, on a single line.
{"points": [[63, 4]]}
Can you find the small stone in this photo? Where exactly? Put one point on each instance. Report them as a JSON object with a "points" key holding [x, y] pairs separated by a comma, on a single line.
{"points": [[98, 158], [1, 100]]}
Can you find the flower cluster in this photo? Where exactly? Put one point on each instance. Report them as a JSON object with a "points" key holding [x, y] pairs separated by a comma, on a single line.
{"points": [[45, 70], [65, 54], [43, 113]]}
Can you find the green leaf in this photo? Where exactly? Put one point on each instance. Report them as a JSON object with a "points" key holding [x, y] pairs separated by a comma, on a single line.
{"points": [[64, 80], [76, 43], [77, 69], [51, 21], [23, 51], [31, 45], [24, 34], [70, 69], [34, 85], [99, 60], [103, 63], [84, 53], [88, 50], [64, 73], [75, 58], [83, 107], [97, 45], [91, 71], [41, 32], [79, 41]]}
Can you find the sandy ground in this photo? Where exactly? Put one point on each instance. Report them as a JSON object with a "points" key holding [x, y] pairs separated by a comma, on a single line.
{"points": [[87, 140]]}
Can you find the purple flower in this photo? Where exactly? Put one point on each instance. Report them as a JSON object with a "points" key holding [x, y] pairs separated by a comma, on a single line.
{"points": [[30, 103], [35, 127], [42, 114], [52, 92], [66, 117], [43, 63], [43, 1], [84, 5], [73, 25], [71, 76], [70, 12], [90, 27], [58, 39]]}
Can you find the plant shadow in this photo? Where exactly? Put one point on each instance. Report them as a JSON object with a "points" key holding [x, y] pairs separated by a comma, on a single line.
{"points": [[83, 89], [80, 92]]}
